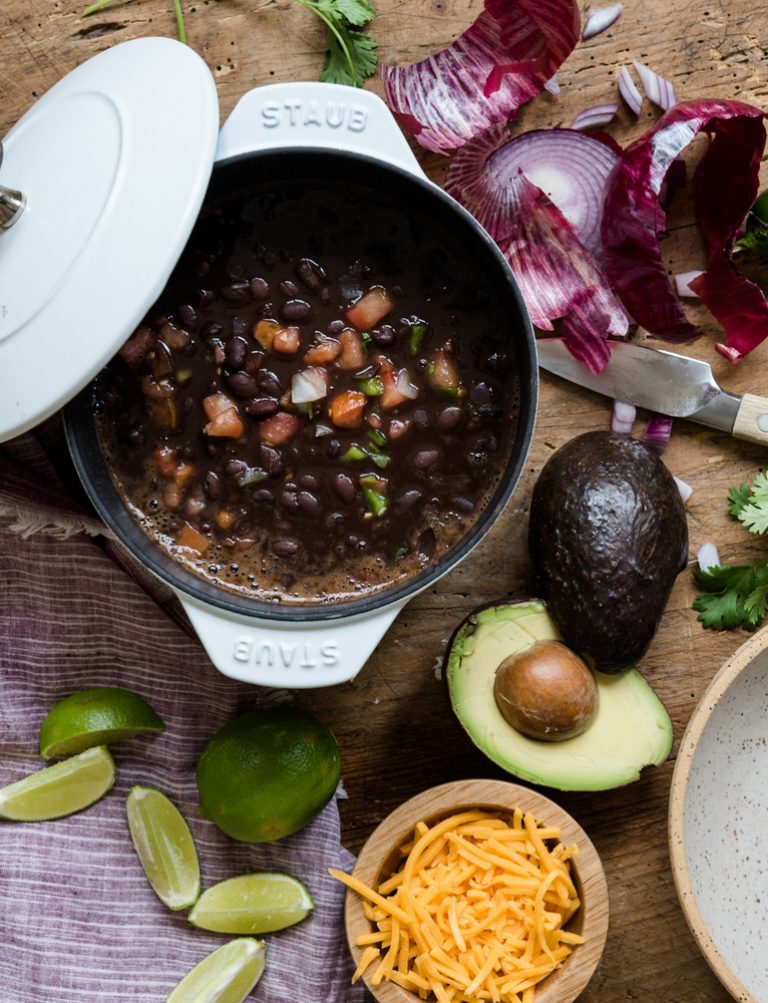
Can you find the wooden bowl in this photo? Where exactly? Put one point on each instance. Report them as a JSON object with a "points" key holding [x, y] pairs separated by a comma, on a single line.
{"points": [[381, 856], [718, 809]]}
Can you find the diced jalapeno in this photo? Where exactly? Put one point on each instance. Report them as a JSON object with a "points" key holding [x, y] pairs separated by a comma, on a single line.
{"points": [[380, 459], [353, 454], [367, 341], [375, 499], [416, 337], [377, 437], [372, 387]]}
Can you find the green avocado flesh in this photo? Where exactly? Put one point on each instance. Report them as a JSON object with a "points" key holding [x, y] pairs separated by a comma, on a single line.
{"points": [[631, 728]]}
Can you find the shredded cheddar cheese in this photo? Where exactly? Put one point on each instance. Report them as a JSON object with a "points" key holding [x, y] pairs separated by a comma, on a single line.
{"points": [[475, 912]]}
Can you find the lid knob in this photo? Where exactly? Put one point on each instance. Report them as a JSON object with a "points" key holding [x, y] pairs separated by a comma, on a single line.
{"points": [[12, 203]]}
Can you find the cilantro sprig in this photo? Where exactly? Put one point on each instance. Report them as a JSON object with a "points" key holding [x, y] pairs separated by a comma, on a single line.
{"points": [[350, 55], [736, 595]]}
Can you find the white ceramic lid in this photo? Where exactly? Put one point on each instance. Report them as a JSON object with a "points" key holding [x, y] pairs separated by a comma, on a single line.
{"points": [[114, 162]]}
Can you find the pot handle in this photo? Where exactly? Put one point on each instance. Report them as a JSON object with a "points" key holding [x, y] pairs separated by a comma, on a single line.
{"points": [[312, 114], [288, 654]]}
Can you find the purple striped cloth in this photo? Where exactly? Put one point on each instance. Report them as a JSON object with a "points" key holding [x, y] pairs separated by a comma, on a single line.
{"points": [[79, 921]]}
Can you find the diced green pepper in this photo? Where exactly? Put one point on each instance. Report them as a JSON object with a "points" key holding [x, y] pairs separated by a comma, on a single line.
{"points": [[372, 387], [183, 375], [416, 337], [353, 454], [377, 437], [367, 341], [375, 500], [380, 459], [400, 553]]}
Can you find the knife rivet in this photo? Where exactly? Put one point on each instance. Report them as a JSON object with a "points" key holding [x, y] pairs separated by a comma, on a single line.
{"points": [[762, 422]]}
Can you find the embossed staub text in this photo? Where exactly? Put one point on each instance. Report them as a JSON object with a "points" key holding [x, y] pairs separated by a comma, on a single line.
{"points": [[297, 113], [288, 654]]}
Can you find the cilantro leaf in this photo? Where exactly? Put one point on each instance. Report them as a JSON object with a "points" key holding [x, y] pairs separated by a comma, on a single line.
{"points": [[750, 504], [350, 56], [733, 596]]}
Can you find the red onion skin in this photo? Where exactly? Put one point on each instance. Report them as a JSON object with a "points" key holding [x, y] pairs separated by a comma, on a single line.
{"points": [[633, 218]]}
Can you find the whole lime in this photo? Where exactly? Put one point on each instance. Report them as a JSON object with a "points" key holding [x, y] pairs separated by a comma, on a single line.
{"points": [[266, 774]]}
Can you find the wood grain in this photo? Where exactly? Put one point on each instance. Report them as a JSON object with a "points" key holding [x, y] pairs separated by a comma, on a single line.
{"points": [[393, 723], [380, 857]]}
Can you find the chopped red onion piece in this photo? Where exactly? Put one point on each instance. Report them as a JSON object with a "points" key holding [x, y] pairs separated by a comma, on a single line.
{"points": [[595, 117], [628, 90], [404, 385], [731, 354], [600, 19], [322, 430], [657, 432], [681, 283], [708, 557], [657, 88], [501, 61], [623, 417], [308, 385], [553, 85], [559, 278], [724, 188], [685, 489]]}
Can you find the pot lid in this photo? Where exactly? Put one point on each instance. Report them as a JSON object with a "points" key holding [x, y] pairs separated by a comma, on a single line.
{"points": [[102, 181]]}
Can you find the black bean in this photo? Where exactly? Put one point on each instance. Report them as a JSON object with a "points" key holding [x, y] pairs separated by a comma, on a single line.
{"points": [[426, 544], [480, 393], [309, 505], [213, 449], [285, 548], [290, 501], [234, 467], [261, 407], [236, 352], [236, 292], [269, 258], [269, 382], [421, 419], [344, 487], [188, 404], [288, 288], [212, 485], [202, 269], [271, 459], [263, 496], [462, 503], [422, 459], [243, 385], [294, 309], [332, 448], [309, 481], [236, 270], [188, 316], [334, 519], [137, 435], [253, 362], [366, 371], [325, 295], [211, 331], [406, 500], [449, 418], [335, 327], [384, 335], [259, 288], [310, 273], [205, 297]]}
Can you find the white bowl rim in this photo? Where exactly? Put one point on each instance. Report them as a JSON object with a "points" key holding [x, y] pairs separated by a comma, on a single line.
{"points": [[740, 660]]}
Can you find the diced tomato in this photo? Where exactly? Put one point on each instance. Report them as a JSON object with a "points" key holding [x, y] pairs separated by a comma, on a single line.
{"points": [[174, 337], [323, 351], [219, 355], [279, 429], [443, 374], [226, 424], [225, 518], [183, 473], [190, 538], [352, 354], [372, 307], [374, 419], [172, 496], [215, 404], [264, 332], [346, 409], [164, 458], [287, 340]]}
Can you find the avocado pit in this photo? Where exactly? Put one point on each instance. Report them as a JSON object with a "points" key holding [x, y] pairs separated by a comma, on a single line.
{"points": [[546, 692]]}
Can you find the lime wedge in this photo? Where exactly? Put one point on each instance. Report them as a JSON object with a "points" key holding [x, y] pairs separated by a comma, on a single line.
{"points": [[252, 903], [225, 976], [95, 717], [164, 845], [59, 790]]}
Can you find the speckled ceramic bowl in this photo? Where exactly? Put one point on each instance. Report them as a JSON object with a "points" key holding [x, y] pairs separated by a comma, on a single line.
{"points": [[718, 823]]}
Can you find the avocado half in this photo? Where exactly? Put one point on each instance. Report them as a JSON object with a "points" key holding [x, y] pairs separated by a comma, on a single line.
{"points": [[630, 730]]}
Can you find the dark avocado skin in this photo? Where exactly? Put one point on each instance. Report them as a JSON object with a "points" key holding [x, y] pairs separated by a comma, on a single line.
{"points": [[607, 538]]}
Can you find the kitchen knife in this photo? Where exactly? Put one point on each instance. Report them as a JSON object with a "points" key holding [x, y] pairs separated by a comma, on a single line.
{"points": [[665, 382]]}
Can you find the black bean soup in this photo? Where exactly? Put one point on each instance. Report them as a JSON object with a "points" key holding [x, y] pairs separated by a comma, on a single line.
{"points": [[310, 418]]}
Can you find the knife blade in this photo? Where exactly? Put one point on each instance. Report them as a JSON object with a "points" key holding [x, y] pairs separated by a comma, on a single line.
{"points": [[664, 382]]}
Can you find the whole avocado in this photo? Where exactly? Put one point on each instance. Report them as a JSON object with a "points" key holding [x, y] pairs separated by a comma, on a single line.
{"points": [[607, 538]]}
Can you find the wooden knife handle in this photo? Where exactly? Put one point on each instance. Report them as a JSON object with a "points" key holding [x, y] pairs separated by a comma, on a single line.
{"points": [[752, 420]]}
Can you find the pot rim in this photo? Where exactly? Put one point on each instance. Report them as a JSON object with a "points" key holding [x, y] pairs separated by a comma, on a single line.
{"points": [[93, 473]]}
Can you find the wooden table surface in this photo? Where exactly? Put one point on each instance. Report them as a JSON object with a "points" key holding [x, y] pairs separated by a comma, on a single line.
{"points": [[395, 730]]}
